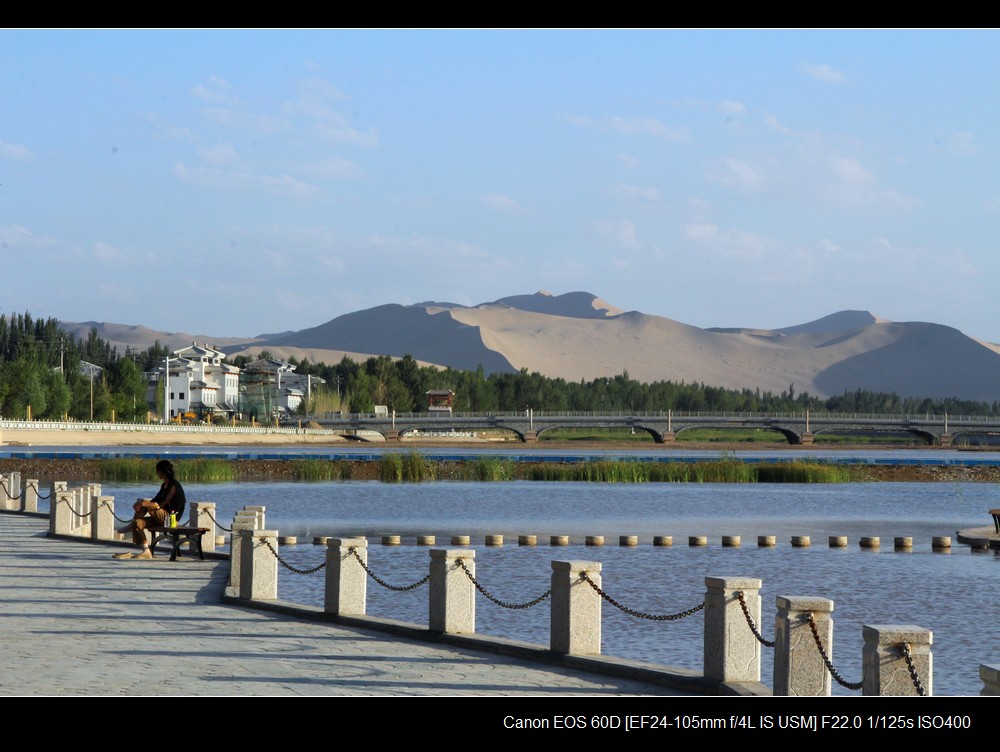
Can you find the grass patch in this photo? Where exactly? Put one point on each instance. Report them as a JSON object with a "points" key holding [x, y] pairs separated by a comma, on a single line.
{"points": [[802, 472], [488, 469], [135, 469], [320, 470], [721, 471], [412, 467]]}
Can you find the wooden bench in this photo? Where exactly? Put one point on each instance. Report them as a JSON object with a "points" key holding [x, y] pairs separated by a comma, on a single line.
{"points": [[178, 536], [996, 519]]}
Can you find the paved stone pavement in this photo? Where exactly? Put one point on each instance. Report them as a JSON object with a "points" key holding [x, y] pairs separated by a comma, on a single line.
{"points": [[75, 622]]}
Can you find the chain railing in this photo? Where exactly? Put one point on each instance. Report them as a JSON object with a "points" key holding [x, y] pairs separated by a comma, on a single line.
{"points": [[112, 508], [753, 627], [3, 485], [913, 670], [288, 566], [399, 588], [504, 604], [639, 614], [78, 514], [217, 523], [826, 658], [39, 495]]}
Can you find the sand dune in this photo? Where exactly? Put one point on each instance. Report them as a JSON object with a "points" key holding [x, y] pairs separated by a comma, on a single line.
{"points": [[579, 336]]}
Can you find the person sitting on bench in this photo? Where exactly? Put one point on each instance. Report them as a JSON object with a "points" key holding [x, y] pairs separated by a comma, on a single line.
{"points": [[154, 512]]}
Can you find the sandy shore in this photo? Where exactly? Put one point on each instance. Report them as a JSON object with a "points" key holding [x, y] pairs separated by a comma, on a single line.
{"points": [[84, 437]]}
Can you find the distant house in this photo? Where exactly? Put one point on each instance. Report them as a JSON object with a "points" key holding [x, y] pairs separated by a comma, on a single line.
{"points": [[270, 388], [199, 382], [440, 400]]}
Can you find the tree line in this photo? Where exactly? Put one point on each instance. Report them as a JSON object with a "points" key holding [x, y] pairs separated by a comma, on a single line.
{"points": [[49, 370]]}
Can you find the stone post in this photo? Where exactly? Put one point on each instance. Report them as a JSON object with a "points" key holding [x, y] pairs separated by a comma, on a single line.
{"points": [[346, 579], [203, 515], [575, 621], [31, 495], [258, 565], [102, 526], [991, 680], [241, 523], [799, 670], [6, 493], [452, 600], [57, 486], [884, 671], [14, 490], [61, 512], [731, 652], [258, 511]]}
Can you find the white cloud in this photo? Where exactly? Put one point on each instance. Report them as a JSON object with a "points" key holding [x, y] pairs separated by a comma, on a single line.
{"points": [[216, 92], [774, 124], [629, 126], [731, 108], [825, 73], [108, 253], [337, 129], [17, 236], [828, 245], [621, 232], [250, 122], [635, 192], [957, 144], [240, 182], [735, 173], [220, 154], [15, 152], [701, 231], [849, 170], [502, 203], [330, 168], [629, 160]]}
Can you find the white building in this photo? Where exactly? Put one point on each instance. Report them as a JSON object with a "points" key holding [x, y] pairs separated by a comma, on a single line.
{"points": [[200, 383]]}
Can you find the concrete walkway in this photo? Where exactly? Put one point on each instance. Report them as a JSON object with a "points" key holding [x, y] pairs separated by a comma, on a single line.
{"points": [[75, 622]]}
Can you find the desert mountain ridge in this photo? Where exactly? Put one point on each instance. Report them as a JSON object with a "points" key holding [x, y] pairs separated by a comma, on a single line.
{"points": [[577, 336]]}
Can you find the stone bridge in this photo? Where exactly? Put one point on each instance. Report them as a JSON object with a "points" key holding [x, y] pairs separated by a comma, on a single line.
{"points": [[664, 426]]}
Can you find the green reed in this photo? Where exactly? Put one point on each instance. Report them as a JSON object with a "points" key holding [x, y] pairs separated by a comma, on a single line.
{"points": [[802, 472], [412, 467], [488, 469], [320, 470], [135, 469], [725, 470]]}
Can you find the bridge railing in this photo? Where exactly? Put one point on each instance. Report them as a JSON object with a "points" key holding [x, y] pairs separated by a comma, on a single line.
{"points": [[660, 414]]}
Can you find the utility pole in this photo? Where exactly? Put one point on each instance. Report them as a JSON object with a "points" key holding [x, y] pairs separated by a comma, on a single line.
{"points": [[166, 391]]}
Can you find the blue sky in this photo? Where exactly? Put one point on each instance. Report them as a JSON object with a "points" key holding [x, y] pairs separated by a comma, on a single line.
{"points": [[236, 182]]}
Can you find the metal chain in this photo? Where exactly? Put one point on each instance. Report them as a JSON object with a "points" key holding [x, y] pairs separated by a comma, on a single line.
{"points": [[383, 583], [120, 519], [219, 524], [3, 485], [286, 565], [78, 514], [826, 659], [482, 590], [753, 628], [913, 670], [631, 612], [35, 486]]}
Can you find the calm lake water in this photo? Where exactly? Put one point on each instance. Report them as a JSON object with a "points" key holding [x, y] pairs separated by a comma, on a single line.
{"points": [[953, 594]]}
